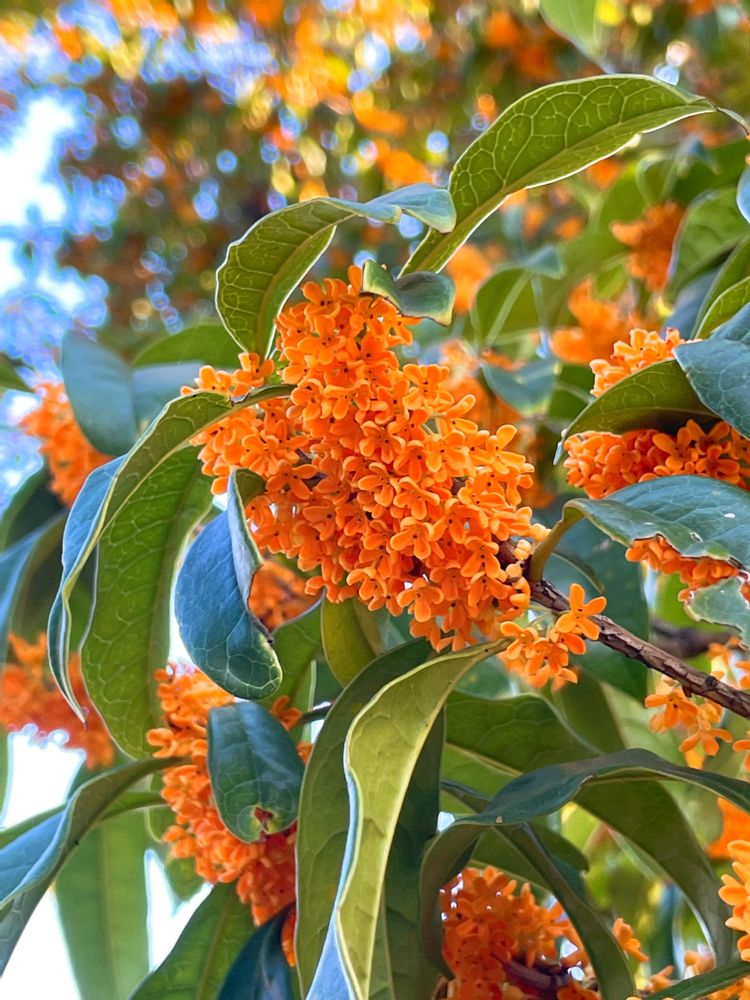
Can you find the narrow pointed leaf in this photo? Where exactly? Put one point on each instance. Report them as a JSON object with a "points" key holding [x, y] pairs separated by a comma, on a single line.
{"points": [[549, 134]]}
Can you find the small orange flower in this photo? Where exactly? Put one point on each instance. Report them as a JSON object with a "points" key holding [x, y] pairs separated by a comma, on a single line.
{"points": [[627, 940], [736, 892], [642, 349], [735, 826], [578, 619], [600, 326], [697, 719]]}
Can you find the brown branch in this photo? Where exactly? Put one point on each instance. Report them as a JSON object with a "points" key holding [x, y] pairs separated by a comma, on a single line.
{"points": [[685, 641], [692, 681]]}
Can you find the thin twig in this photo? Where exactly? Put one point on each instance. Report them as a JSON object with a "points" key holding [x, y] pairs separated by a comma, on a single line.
{"points": [[693, 681]]}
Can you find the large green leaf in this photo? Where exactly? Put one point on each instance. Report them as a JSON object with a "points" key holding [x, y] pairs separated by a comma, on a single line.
{"points": [[129, 631], [723, 307], [547, 135], [264, 266], [92, 373], [392, 728], [724, 604], [719, 371], [706, 985], [18, 564], [206, 343], [734, 268], [30, 862], [711, 227], [31, 505], [324, 806], [577, 22], [199, 962], [260, 971], [658, 397], [698, 516], [296, 642], [487, 740], [255, 770], [614, 979], [102, 903], [219, 630], [110, 488], [350, 639]]}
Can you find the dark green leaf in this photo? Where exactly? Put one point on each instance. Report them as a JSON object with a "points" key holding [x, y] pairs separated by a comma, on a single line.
{"points": [[92, 373], [255, 770], [703, 986], [296, 642], [549, 134], [734, 268], [264, 266], [711, 227], [659, 397], [724, 604], [129, 629], [526, 389], [719, 371], [423, 294], [505, 306], [723, 307], [698, 516], [9, 377], [324, 806], [260, 971], [31, 506], [206, 343], [102, 903], [198, 963], [220, 632], [30, 862], [155, 385]]}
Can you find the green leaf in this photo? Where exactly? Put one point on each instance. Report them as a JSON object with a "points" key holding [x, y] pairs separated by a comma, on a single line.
{"points": [[206, 343], [734, 268], [577, 22], [30, 506], [264, 266], [9, 377], [350, 640], [108, 490], [505, 306], [18, 565], [545, 136], [156, 385], [260, 971], [129, 629], [198, 963], [703, 986], [424, 294], [526, 389], [718, 369], [487, 740], [723, 307], [724, 604], [102, 904], [711, 227], [220, 632], [614, 979], [659, 397], [296, 642], [697, 516], [30, 862], [393, 726], [92, 373], [255, 770], [324, 806]]}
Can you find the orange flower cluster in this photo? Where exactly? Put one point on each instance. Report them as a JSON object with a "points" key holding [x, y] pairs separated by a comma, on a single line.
{"points": [[641, 349], [697, 964], [277, 594], [530, 49], [650, 240], [538, 658], [698, 720], [736, 892], [374, 474], [264, 871], [498, 939], [29, 697], [600, 327], [70, 457], [658, 554]]}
